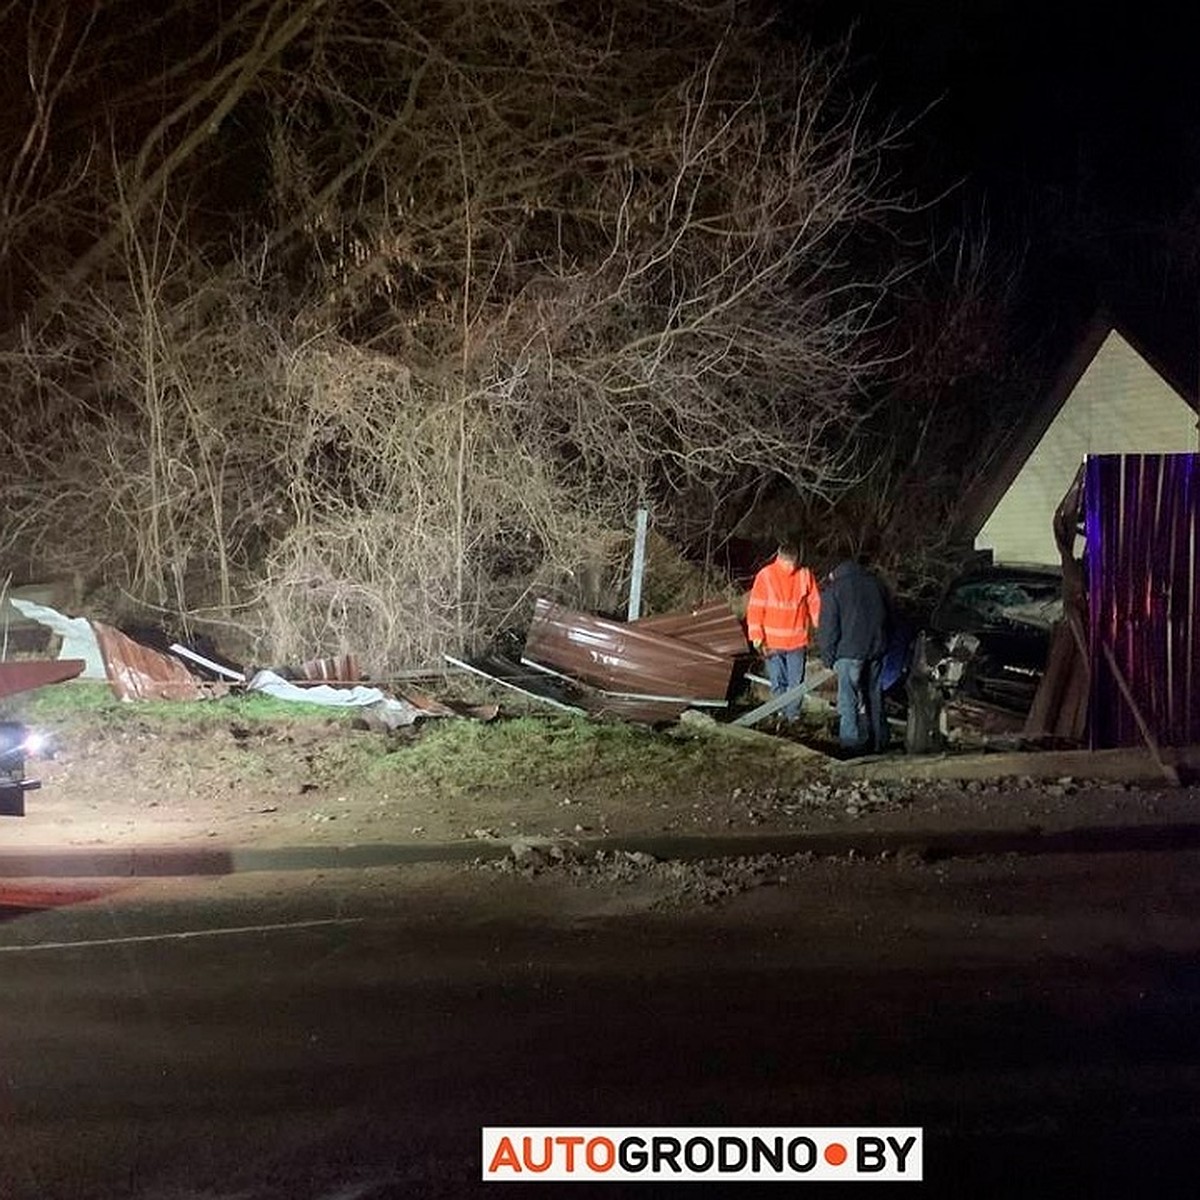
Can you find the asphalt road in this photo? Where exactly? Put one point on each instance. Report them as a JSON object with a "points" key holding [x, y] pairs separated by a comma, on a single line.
{"points": [[292, 1036]]}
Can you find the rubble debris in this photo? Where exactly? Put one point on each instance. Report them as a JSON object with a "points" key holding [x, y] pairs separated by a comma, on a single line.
{"points": [[703, 723], [500, 670], [437, 708], [678, 882], [968, 718], [650, 671], [565, 694], [134, 671]]}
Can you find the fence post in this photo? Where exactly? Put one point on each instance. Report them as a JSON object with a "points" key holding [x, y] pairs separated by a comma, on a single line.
{"points": [[639, 564]]}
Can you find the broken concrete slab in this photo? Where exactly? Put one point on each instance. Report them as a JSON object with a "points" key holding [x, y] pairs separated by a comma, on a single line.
{"points": [[1126, 764]]}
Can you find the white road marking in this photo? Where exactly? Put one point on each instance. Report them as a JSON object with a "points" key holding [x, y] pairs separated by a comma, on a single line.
{"points": [[180, 936]]}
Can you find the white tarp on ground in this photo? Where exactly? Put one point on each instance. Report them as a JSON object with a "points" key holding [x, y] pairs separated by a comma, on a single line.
{"points": [[78, 636], [393, 713]]}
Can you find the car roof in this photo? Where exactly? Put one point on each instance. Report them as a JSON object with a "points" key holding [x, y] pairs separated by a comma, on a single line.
{"points": [[1033, 573], [1010, 571]]}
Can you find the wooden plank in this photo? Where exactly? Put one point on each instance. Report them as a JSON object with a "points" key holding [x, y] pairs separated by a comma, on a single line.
{"points": [[1060, 705]]}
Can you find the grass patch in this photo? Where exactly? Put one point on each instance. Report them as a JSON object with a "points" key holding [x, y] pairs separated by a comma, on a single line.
{"points": [[453, 757], [567, 752], [86, 704]]}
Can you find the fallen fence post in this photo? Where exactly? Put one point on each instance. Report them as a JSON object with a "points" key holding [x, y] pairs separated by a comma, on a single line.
{"points": [[812, 680]]}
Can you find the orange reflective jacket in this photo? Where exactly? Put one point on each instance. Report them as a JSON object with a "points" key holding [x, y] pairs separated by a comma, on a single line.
{"points": [[784, 607]]}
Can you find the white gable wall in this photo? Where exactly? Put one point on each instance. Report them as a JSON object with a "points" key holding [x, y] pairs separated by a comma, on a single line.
{"points": [[1120, 405]]}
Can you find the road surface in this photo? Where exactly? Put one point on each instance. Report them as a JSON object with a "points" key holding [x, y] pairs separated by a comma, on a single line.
{"points": [[279, 1037]]}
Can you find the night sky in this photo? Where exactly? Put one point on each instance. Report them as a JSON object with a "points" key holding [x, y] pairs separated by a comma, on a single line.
{"points": [[1074, 128]]}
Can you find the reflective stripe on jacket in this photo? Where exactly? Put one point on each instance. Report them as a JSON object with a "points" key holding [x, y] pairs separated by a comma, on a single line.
{"points": [[784, 605]]}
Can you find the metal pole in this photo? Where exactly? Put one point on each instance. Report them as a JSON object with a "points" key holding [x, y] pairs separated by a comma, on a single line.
{"points": [[639, 564]]}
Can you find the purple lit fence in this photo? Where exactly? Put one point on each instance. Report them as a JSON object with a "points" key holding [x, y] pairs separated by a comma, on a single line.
{"points": [[1143, 552]]}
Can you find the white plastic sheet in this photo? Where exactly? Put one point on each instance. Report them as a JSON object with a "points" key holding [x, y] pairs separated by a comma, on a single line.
{"points": [[78, 637], [394, 713]]}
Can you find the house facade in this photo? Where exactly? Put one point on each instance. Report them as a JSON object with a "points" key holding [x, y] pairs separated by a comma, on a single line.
{"points": [[1108, 400]]}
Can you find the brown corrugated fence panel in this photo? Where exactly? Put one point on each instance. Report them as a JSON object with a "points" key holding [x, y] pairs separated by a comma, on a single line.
{"points": [[626, 658], [712, 626], [135, 672]]}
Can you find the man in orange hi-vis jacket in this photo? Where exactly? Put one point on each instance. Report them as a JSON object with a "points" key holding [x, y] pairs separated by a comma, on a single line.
{"points": [[783, 611]]}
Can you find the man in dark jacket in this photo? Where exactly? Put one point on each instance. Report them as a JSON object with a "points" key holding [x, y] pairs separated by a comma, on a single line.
{"points": [[853, 636]]}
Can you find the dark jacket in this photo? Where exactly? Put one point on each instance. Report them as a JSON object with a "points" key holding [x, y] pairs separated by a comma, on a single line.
{"points": [[855, 614]]}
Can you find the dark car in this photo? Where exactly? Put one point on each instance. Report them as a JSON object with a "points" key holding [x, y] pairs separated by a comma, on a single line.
{"points": [[987, 641]]}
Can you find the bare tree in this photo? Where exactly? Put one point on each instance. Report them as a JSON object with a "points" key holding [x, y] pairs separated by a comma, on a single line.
{"points": [[635, 259], [509, 270]]}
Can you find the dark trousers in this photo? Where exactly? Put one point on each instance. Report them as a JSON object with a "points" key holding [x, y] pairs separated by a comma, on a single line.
{"points": [[862, 724]]}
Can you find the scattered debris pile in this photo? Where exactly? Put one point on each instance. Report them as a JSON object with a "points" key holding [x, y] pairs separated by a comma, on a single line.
{"points": [[152, 667], [678, 882], [650, 670], [672, 882]]}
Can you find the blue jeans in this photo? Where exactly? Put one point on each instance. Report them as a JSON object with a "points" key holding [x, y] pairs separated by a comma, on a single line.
{"points": [[862, 724], [785, 669]]}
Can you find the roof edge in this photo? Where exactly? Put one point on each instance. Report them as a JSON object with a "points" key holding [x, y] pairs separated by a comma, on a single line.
{"points": [[981, 501]]}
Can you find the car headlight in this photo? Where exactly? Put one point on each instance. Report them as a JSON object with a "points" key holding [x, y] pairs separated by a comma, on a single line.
{"points": [[35, 742], [19, 742]]}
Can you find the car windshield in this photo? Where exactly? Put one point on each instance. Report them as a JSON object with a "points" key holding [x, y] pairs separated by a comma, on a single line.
{"points": [[1004, 603]]}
